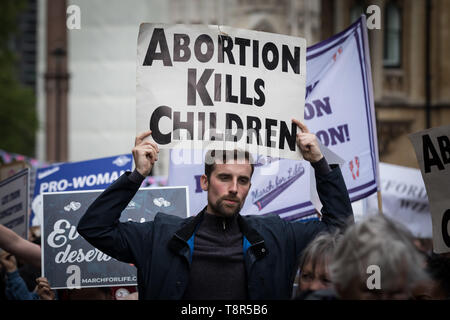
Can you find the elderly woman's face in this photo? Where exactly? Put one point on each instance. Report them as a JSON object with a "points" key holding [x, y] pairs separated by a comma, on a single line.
{"points": [[315, 277]]}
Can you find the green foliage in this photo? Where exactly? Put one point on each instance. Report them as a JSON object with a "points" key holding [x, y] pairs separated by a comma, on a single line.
{"points": [[18, 117]]}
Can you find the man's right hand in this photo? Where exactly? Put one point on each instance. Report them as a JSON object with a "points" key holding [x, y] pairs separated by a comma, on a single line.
{"points": [[145, 153]]}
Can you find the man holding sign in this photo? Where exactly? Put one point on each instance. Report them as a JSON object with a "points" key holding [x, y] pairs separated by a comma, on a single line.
{"points": [[217, 254]]}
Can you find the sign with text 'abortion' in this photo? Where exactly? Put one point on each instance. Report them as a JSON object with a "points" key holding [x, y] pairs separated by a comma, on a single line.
{"points": [[69, 261], [216, 87], [432, 148], [14, 202]]}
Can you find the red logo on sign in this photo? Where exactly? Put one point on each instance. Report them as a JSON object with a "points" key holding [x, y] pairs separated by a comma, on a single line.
{"points": [[337, 53], [354, 167]]}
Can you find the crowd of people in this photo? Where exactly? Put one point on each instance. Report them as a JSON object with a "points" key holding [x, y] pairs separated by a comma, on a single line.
{"points": [[222, 255], [333, 266], [373, 259]]}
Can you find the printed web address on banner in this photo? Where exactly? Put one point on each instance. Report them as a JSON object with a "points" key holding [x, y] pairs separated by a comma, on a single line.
{"points": [[109, 280]]}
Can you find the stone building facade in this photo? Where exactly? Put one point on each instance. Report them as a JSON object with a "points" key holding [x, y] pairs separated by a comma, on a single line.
{"points": [[410, 66], [290, 17]]}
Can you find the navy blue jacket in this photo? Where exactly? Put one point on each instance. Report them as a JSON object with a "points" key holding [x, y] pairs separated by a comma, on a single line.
{"points": [[162, 249]]}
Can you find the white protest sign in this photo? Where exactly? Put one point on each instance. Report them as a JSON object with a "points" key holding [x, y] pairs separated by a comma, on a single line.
{"points": [[14, 202], [404, 199], [217, 87], [432, 148]]}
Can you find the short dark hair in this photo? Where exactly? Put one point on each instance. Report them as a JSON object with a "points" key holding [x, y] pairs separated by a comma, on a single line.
{"points": [[438, 267], [223, 156]]}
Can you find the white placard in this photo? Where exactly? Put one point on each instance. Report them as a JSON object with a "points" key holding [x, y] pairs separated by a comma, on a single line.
{"points": [[217, 87]]}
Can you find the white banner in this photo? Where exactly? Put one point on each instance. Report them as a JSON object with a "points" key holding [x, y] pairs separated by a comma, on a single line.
{"points": [[216, 87], [432, 148], [404, 199], [339, 105], [339, 110]]}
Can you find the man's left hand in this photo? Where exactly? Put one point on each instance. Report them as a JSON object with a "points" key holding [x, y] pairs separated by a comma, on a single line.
{"points": [[308, 144]]}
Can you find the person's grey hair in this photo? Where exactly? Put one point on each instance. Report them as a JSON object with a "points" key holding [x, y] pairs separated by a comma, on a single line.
{"points": [[321, 247], [379, 241]]}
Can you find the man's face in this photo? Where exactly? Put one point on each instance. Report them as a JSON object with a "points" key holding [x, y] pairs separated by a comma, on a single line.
{"points": [[227, 188]]}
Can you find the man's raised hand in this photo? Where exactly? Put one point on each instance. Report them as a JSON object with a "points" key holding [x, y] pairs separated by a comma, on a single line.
{"points": [[307, 142], [145, 153]]}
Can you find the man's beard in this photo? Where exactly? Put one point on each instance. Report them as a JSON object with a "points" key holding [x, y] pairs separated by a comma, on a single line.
{"points": [[226, 211]]}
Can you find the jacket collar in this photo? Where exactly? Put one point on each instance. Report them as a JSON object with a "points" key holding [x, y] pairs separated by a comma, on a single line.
{"points": [[257, 244], [185, 234], [188, 229], [181, 237]]}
